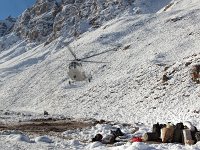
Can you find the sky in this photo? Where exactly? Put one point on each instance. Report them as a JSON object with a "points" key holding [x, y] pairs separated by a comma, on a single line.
{"points": [[13, 7]]}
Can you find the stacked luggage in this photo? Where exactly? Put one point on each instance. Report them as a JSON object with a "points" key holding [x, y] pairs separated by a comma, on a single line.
{"points": [[184, 133]]}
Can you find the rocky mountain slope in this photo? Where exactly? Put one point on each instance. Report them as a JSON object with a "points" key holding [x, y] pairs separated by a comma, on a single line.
{"points": [[50, 19], [6, 26]]}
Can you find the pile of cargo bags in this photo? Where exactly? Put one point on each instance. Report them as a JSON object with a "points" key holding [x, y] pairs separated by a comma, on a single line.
{"points": [[184, 133]]}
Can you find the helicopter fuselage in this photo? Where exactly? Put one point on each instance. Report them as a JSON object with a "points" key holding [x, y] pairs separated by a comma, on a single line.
{"points": [[76, 72]]}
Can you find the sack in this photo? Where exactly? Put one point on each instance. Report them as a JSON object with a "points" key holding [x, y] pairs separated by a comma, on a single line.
{"points": [[150, 136], [117, 132], [193, 134], [187, 137], [189, 125], [197, 136], [136, 139], [97, 137], [109, 139], [179, 126], [178, 133], [156, 129], [167, 133]]}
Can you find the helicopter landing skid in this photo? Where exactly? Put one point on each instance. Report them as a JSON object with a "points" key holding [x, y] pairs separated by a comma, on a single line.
{"points": [[70, 82], [88, 79]]}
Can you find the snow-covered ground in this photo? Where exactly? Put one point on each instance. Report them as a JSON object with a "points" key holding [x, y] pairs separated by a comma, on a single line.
{"points": [[128, 89]]}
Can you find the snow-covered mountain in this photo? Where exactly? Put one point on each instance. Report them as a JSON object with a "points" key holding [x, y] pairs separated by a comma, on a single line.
{"points": [[6, 26], [50, 19], [152, 39]]}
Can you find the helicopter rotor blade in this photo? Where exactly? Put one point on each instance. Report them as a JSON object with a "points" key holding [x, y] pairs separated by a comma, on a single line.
{"points": [[72, 52], [93, 61], [70, 60], [114, 49]]}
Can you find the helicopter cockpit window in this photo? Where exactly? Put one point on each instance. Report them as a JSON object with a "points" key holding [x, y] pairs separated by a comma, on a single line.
{"points": [[71, 65], [74, 65]]}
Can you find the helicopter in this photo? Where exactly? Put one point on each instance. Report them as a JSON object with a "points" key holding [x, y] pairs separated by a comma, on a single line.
{"points": [[75, 68]]}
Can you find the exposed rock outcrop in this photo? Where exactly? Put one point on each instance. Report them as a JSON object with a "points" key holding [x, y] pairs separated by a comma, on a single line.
{"points": [[36, 23], [6, 25], [49, 19]]}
